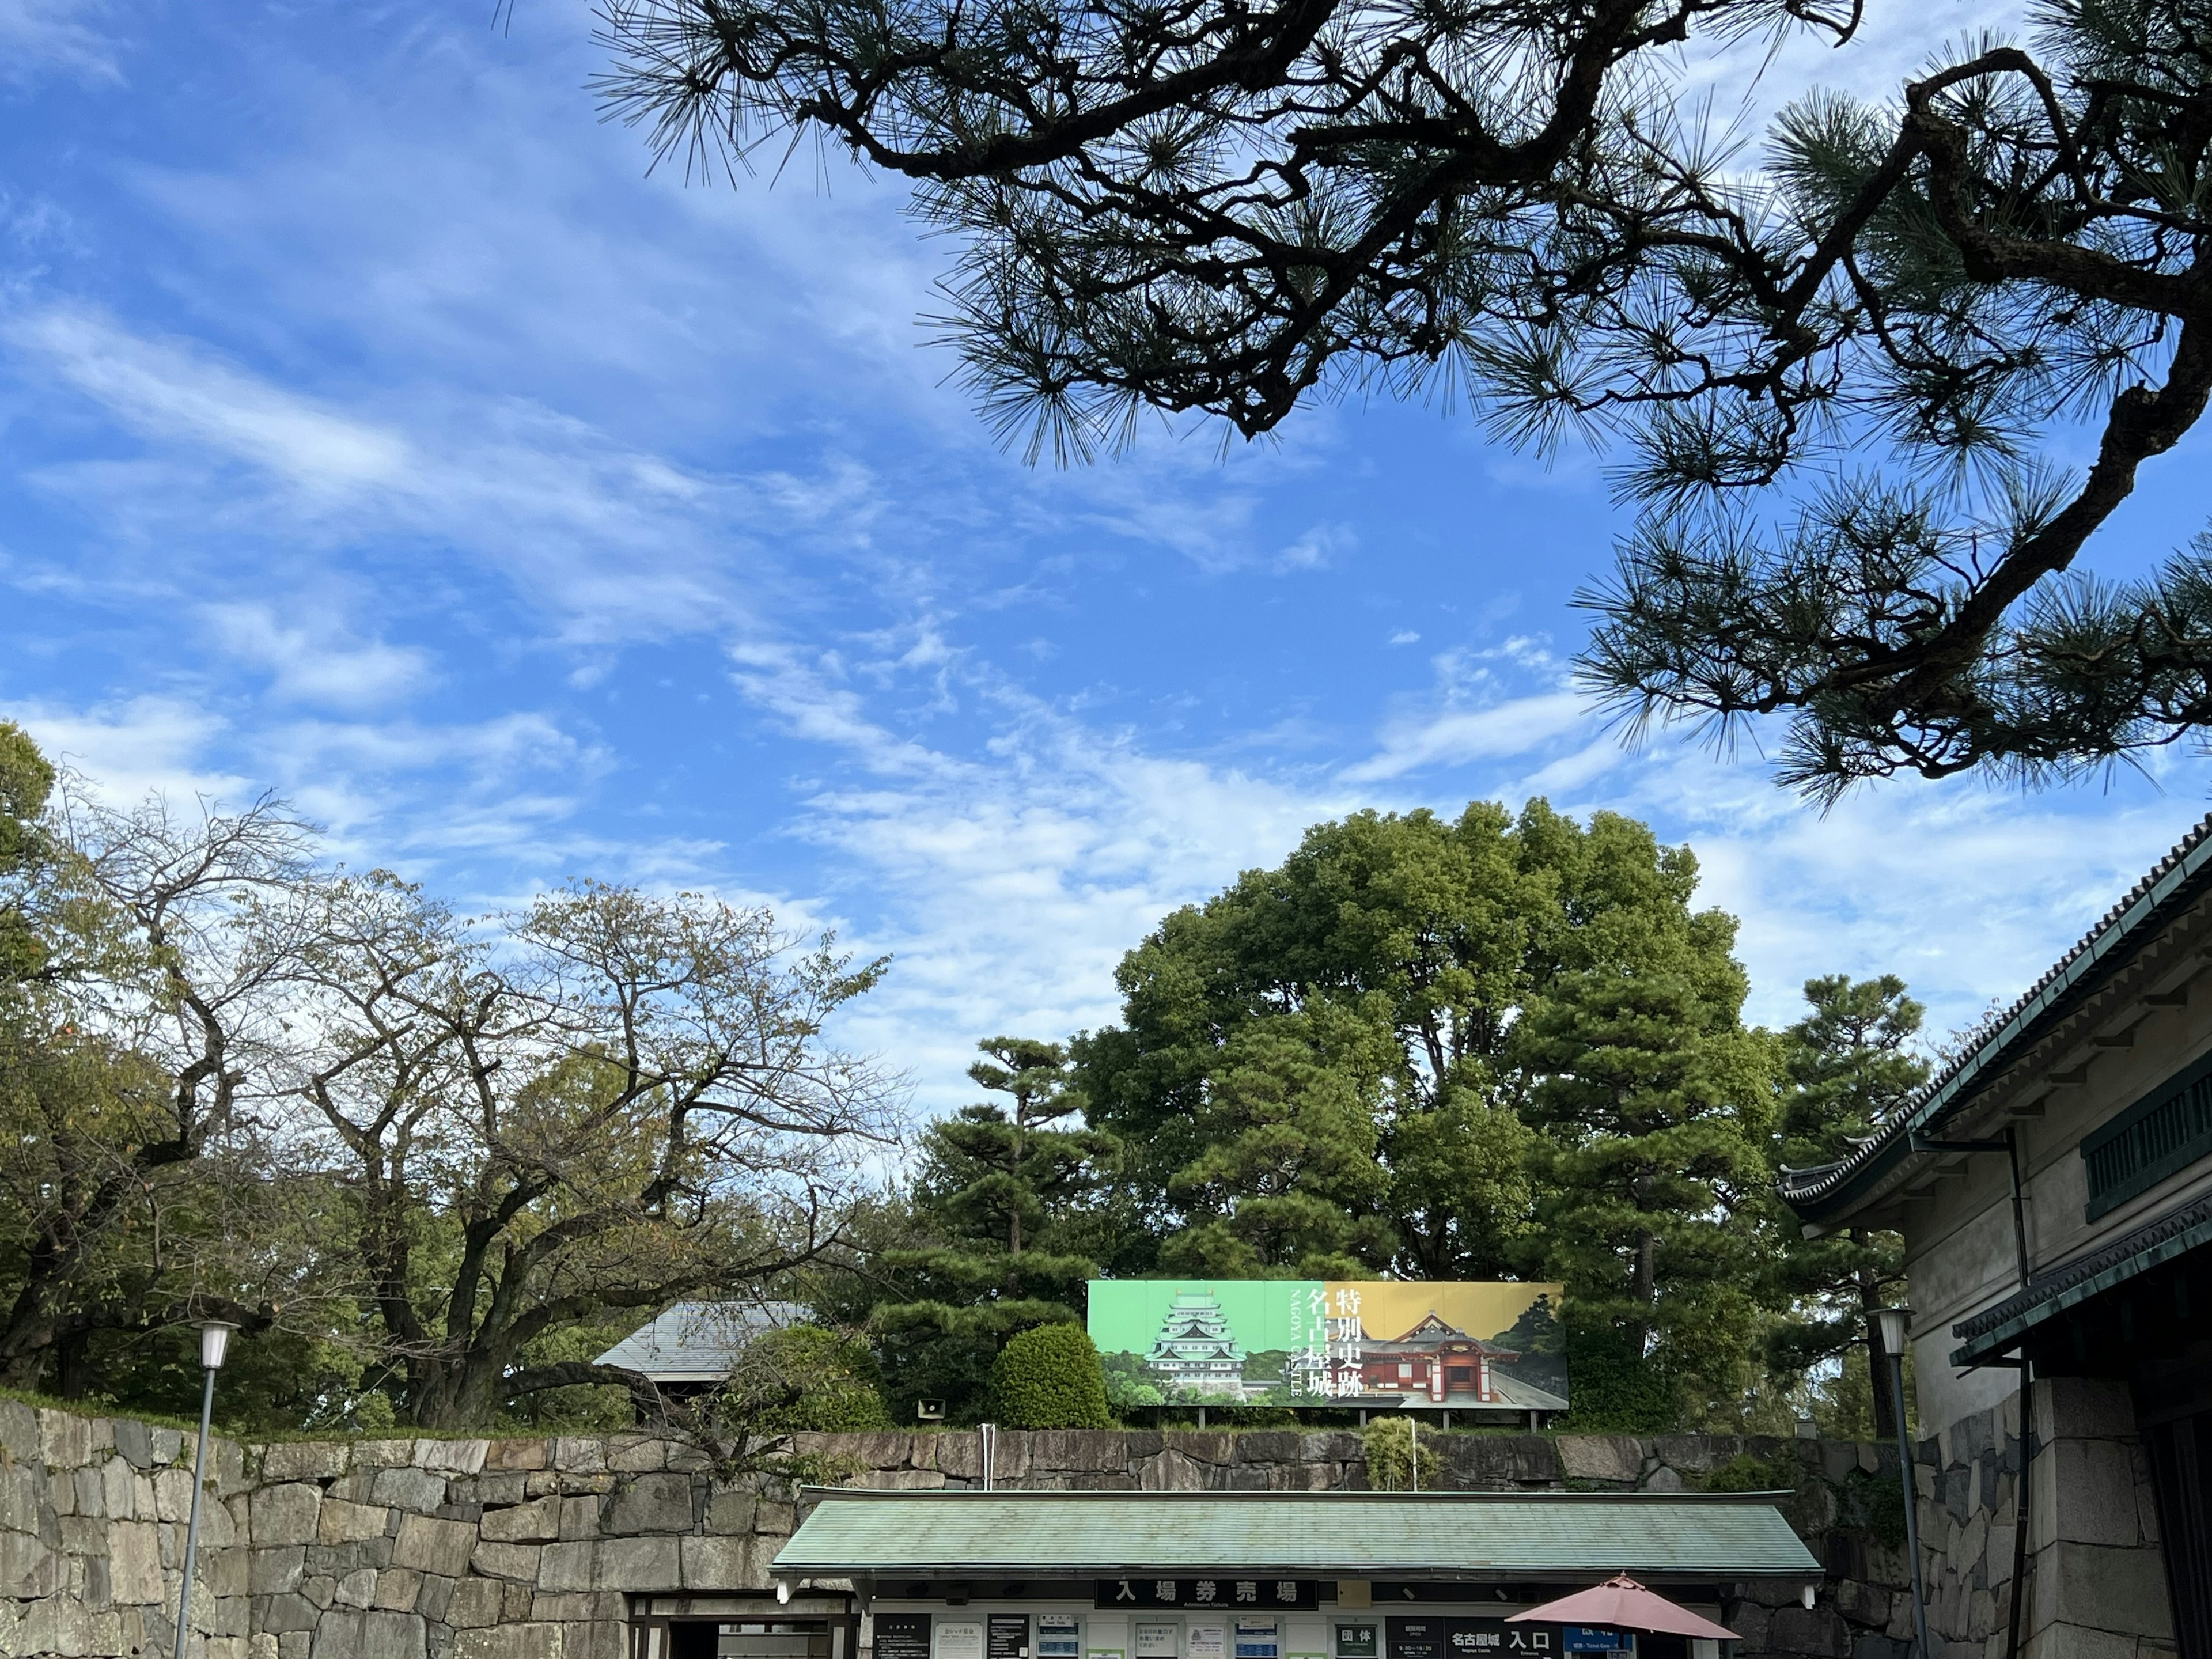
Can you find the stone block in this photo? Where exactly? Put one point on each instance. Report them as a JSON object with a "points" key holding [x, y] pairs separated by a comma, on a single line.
{"points": [[64, 1440], [517, 1561], [290, 1612], [429, 1544], [303, 1460], [374, 1634], [168, 1445], [293, 1644], [419, 1490], [573, 1608], [579, 1453], [397, 1588], [275, 1571], [1809, 1631], [2097, 1478], [650, 1503], [25, 1490], [535, 1522], [285, 1514], [2079, 1642], [134, 1563], [729, 1510], [435, 1594], [173, 1494], [1862, 1604], [580, 1518], [356, 1590], [475, 1605], [2083, 1407], [637, 1453], [19, 1432], [229, 1571], [118, 1492], [634, 1563], [601, 1639], [451, 1456], [717, 1566], [382, 1453], [526, 1641], [2114, 1589], [1616, 1458], [518, 1455], [567, 1566], [343, 1523], [28, 1569], [1492, 1462]]}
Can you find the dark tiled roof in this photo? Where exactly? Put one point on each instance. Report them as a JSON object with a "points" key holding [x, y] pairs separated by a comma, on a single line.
{"points": [[2176, 879], [2049, 1292]]}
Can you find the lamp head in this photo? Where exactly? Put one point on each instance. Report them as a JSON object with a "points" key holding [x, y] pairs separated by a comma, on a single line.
{"points": [[1896, 1327], [215, 1342]]}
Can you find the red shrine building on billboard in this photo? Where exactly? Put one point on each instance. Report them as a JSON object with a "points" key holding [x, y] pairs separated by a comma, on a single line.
{"points": [[1436, 1359]]}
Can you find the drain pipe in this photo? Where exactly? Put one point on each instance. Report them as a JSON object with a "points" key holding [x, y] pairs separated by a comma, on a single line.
{"points": [[1896, 1328], [2020, 1505]]}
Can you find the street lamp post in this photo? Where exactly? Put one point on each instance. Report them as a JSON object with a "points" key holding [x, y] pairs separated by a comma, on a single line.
{"points": [[215, 1342], [1896, 1325]]}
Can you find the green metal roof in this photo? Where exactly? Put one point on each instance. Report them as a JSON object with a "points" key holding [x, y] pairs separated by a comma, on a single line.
{"points": [[1394, 1535]]}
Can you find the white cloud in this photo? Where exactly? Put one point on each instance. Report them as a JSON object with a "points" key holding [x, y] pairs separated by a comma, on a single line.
{"points": [[163, 389], [310, 660], [1456, 736], [135, 747], [1405, 636], [77, 36]]}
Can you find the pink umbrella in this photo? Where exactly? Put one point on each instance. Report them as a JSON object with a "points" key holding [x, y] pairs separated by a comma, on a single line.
{"points": [[1623, 1604]]}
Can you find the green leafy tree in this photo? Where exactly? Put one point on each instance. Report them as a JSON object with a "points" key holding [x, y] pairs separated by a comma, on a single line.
{"points": [[1652, 1104], [1307, 1069], [1287, 1184], [1847, 1065], [1048, 1377], [997, 1201], [1849, 380]]}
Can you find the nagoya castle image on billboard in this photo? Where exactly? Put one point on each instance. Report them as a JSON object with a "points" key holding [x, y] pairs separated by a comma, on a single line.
{"points": [[1366, 1342]]}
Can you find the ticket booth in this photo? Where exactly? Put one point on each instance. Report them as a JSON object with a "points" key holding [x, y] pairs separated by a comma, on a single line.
{"points": [[1034, 1575]]}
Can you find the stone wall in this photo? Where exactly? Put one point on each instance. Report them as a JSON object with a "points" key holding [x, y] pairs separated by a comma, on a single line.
{"points": [[2096, 1581], [530, 1548], [91, 1528]]}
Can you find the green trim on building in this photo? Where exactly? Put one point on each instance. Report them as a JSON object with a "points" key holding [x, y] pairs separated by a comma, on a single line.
{"points": [[1669, 1537]]}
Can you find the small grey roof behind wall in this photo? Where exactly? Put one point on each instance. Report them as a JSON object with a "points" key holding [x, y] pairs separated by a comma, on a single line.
{"points": [[699, 1341]]}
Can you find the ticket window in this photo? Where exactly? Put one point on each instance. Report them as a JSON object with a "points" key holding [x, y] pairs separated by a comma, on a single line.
{"points": [[748, 1638]]}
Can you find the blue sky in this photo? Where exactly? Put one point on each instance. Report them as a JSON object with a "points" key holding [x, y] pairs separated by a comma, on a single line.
{"points": [[377, 431]]}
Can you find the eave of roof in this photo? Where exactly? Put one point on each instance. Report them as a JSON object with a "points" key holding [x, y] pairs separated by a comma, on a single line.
{"points": [[1832, 1192], [1674, 1537]]}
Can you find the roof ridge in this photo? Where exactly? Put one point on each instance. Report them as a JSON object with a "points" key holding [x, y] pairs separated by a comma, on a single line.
{"points": [[1996, 1033]]}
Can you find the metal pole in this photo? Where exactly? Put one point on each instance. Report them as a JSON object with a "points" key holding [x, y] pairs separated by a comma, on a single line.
{"points": [[1413, 1448], [192, 1531], [1912, 1500]]}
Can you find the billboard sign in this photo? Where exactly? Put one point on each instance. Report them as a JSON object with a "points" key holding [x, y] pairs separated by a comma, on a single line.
{"points": [[1312, 1342]]}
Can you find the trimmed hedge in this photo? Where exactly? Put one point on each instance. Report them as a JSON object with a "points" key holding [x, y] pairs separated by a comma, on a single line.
{"points": [[1049, 1377]]}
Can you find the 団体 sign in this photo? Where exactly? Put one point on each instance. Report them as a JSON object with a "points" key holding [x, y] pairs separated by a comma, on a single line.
{"points": [[1374, 1342]]}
